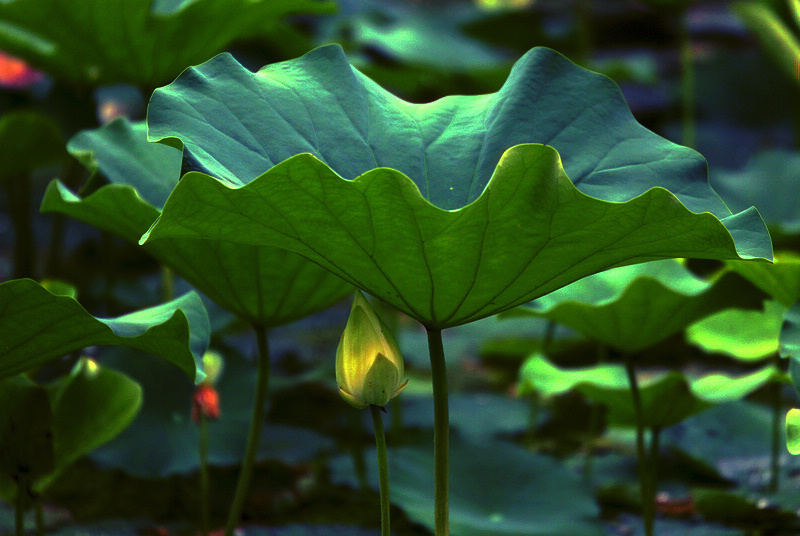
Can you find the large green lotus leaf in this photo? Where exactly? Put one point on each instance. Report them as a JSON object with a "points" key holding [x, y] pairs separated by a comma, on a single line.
{"points": [[667, 399], [90, 406], [496, 488], [28, 140], [37, 326], [263, 285], [790, 334], [634, 307], [432, 236], [745, 335], [143, 42], [781, 279], [765, 182]]}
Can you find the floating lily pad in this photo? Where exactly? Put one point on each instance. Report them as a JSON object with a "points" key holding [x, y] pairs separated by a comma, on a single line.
{"points": [[496, 488], [405, 234], [38, 327], [667, 399], [90, 406], [95, 42], [634, 307], [263, 285]]}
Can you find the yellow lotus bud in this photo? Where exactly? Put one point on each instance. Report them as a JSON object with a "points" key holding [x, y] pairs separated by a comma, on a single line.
{"points": [[369, 366]]}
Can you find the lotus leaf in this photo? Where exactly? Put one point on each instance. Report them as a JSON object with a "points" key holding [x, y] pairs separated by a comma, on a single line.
{"points": [[263, 285], [37, 326], [667, 399], [764, 181], [634, 307], [89, 406], [746, 335], [396, 198], [142, 42], [497, 488], [28, 140]]}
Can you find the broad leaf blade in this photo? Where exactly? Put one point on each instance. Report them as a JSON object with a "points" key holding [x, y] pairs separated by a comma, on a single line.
{"points": [[262, 285], [635, 307], [389, 230], [37, 326], [530, 233], [95, 42]]}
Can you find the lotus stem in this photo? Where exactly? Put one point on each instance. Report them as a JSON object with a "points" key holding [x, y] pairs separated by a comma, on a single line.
{"points": [[689, 137], [648, 508], [256, 420], [441, 433], [204, 480], [777, 424], [383, 468]]}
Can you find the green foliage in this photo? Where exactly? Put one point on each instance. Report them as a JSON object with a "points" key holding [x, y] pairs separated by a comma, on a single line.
{"points": [[50, 427], [434, 237], [667, 399], [28, 140], [97, 42], [38, 327], [263, 285], [780, 41], [634, 307]]}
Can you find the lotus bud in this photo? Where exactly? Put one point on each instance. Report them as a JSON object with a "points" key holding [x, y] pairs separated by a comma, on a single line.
{"points": [[369, 366]]}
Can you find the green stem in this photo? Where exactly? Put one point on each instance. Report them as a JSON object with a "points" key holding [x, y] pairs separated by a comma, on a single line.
{"points": [[167, 284], [383, 468], [204, 480], [256, 420], [19, 208], [441, 433], [687, 82], [777, 424], [37, 508], [641, 452], [23, 489]]}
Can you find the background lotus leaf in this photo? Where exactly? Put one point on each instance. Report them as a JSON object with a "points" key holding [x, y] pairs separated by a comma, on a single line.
{"points": [[781, 279], [143, 42], [36, 327], [405, 234], [263, 285], [741, 334], [28, 140], [90, 406], [667, 399], [497, 488], [634, 307]]}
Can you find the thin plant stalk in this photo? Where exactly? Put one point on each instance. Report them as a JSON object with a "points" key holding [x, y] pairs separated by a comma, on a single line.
{"points": [[39, 515], [204, 480], [689, 137], [645, 480], [254, 434], [383, 468], [777, 425], [441, 433], [19, 507]]}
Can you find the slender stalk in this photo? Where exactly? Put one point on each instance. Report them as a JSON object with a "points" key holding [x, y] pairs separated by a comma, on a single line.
{"points": [[648, 508], [167, 283], [204, 480], [441, 433], [37, 508], [777, 424], [19, 507], [256, 420], [383, 468], [19, 207], [687, 81]]}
